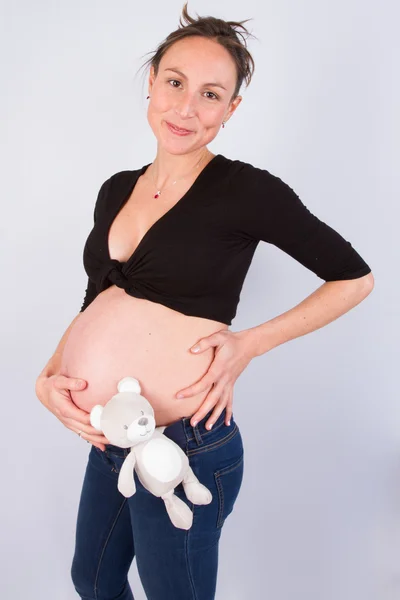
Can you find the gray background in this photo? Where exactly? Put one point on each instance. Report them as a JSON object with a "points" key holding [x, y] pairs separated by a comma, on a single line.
{"points": [[318, 516]]}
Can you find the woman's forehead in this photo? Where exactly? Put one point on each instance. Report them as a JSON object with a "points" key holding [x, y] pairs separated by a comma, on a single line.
{"points": [[212, 61]]}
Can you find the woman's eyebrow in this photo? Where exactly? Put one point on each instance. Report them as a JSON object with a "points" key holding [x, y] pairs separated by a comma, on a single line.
{"points": [[215, 84]]}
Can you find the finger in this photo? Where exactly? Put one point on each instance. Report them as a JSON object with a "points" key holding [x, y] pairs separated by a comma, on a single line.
{"points": [[219, 407], [96, 442], [99, 446], [61, 382], [211, 341], [99, 439], [65, 406], [200, 386], [87, 430], [229, 409], [67, 409], [211, 400]]}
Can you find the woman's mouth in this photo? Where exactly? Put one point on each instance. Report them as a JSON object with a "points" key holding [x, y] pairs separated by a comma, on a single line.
{"points": [[177, 130]]}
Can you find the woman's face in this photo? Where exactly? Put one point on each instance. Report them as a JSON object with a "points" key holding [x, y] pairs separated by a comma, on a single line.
{"points": [[192, 99]]}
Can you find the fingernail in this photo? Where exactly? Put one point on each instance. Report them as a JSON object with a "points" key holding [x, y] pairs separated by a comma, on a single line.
{"points": [[195, 348], [180, 396], [229, 423], [194, 423], [210, 426]]}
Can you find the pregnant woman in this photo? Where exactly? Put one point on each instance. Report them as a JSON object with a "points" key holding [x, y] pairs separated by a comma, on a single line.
{"points": [[166, 260]]}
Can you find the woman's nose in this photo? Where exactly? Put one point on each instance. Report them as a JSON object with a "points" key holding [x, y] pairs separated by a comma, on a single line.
{"points": [[186, 107]]}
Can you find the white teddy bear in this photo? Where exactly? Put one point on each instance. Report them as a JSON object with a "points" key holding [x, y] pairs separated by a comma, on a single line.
{"points": [[127, 421]]}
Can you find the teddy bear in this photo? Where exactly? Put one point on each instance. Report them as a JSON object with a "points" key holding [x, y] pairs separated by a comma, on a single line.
{"points": [[127, 420]]}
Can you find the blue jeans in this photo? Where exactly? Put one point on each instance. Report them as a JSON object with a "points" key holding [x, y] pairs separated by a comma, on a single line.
{"points": [[173, 564]]}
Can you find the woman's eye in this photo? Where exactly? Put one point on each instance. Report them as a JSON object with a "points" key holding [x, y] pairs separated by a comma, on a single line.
{"points": [[215, 97]]}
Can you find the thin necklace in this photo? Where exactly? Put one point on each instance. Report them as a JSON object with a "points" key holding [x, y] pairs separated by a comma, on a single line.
{"points": [[158, 193]]}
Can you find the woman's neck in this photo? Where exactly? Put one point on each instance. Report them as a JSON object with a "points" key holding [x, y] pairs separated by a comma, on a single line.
{"points": [[167, 168]]}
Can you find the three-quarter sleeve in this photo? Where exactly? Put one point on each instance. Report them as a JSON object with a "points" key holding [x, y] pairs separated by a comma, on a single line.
{"points": [[272, 212]]}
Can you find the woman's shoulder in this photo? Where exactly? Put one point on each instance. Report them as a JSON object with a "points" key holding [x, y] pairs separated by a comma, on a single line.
{"points": [[244, 175], [122, 177], [112, 187]]}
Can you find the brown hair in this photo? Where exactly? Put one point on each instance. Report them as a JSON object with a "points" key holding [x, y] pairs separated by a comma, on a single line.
{"points": [[223, 32]]}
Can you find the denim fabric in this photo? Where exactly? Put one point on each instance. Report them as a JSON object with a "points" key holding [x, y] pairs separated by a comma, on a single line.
{"points": [[173, 564]]}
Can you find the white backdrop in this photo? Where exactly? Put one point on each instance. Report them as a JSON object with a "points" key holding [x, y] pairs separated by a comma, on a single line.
{"points": [[318, 515]]}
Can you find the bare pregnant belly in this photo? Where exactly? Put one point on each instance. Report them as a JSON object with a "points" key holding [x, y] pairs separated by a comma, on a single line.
{"points": [[119, 336]]}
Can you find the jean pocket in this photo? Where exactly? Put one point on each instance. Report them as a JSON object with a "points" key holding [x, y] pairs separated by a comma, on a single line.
{"points": [[228, 481], [107, 459]]}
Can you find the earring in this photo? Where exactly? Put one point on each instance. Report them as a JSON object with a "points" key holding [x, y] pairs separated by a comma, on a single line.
{"points": [[223, 124], [147, 97]]}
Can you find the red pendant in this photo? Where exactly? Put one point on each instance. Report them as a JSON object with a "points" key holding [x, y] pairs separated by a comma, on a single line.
{"points": [[156, 195]]}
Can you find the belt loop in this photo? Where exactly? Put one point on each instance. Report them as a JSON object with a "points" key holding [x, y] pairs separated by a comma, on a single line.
{"points": [[197, 435], [189, 428]]}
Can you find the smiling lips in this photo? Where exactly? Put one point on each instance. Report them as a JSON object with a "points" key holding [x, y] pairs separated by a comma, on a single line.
{"points": [[177, 130]]}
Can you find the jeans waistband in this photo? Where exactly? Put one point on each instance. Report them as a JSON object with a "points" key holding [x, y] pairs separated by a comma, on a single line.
{"points": [[181, 432]]}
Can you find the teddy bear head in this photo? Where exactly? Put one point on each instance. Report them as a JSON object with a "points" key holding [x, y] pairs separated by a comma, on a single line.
{"points": [[128, 418]]}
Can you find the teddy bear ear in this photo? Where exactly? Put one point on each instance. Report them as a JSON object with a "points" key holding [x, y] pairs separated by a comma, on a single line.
{"points": [[129, 384], [95, 416]]}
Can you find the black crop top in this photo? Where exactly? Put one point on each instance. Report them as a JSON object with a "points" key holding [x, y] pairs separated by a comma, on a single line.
{"points": [[194, 259]]}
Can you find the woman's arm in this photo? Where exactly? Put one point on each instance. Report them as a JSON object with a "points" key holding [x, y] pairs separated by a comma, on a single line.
{"points": [[327, 303]]}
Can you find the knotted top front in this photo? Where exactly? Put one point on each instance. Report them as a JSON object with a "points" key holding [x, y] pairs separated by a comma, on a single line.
{"points": [[111, 273]]}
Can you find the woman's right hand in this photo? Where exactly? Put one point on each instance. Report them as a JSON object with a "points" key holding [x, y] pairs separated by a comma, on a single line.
{"points": [[53, 393]]}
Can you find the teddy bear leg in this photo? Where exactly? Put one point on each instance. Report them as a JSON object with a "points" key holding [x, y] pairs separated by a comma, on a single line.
{"points": [[195, 491], [180, 514]]}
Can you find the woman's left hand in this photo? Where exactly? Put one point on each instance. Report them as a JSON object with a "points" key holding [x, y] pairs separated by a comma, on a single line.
{"points": [[234, 351]]}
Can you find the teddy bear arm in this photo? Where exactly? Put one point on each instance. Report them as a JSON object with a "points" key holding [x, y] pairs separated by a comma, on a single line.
{"points": [[126, 480]]}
